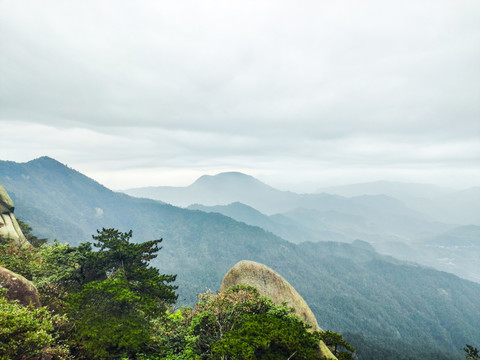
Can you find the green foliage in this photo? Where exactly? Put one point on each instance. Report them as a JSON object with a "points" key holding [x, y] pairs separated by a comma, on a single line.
{"points": [[27, 333], [266, 336], [471, 352], [117, 309], [119, 297], [402, 311], [56, 269], [235, 324], [115, 301], [62, 272], [337, 344], [109, 318], [432, 312], [241, 324], [219, 313], [23, 260], [173, 336], [117, 253]]}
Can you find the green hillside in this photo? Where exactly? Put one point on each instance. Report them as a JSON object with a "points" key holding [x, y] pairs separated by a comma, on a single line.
{"points": [[411, 311], [279, 224]]}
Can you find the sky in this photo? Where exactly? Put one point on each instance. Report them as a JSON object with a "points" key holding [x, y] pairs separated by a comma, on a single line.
{"points": [[300, 94]]}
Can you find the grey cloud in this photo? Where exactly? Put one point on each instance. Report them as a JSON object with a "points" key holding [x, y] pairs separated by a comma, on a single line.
{"points": [[195, 83]]}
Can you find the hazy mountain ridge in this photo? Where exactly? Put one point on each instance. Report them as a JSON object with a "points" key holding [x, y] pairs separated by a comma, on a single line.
{"points": [[438, 203], [349, 288], [279, 224], [386, 222], [221, 189], [396, 189], [388, 218]]}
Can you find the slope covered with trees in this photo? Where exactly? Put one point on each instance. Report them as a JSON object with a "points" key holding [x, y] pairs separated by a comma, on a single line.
{"points": [[350, 288], [111, 304]]}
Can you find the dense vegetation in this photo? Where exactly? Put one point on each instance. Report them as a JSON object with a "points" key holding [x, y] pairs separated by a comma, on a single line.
{"points": [[386, 307], [111, 304]]}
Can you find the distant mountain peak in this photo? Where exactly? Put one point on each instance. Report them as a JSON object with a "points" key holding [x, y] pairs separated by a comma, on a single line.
{"points": [[47, 162], [228, 174], [232, 174], [44, 159], [225, 177]]}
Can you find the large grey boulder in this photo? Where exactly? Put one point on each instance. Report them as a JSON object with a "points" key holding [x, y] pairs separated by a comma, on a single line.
{"points": [[271, 284], [9, 227], [18, 288]]}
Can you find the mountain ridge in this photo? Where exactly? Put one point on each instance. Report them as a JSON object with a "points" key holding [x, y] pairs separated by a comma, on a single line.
{"points": [[439, 203], [392, 188], [349, 288], [215, 191]]}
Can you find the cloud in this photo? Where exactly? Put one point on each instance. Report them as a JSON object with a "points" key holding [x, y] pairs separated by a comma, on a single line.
{"points": [[175, 85]]}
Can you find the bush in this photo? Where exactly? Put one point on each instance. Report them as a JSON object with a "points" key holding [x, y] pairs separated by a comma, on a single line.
{"points": [[27, 333], [237, 324]]}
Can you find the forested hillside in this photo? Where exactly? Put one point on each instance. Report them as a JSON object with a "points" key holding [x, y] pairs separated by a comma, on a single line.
{"points": [[110, 304], [411, 311]]}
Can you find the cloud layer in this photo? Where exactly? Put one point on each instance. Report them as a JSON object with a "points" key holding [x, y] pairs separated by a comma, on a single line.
{"points": [[288, 91]]}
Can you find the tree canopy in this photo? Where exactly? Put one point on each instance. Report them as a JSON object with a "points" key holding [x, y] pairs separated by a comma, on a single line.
{"points": [[104, 301]]}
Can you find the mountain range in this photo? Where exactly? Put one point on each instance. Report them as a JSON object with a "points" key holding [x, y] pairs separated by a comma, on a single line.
{"points": [[399, 309], [376, 217], [438, 203], [432, 202], [375, 212]]}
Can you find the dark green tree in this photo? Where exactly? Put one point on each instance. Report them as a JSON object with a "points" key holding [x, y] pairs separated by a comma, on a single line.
{"points": [[337, 344], [116, 252], [109, 321], [120, 297], [62, 272]]}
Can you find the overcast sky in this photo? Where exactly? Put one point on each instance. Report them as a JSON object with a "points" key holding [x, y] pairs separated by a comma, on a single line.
{"points": [[305, 93]]}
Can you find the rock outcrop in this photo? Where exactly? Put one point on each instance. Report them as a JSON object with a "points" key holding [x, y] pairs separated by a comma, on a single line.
{"points": [[18, 288], [271, 284], [9, 227]]}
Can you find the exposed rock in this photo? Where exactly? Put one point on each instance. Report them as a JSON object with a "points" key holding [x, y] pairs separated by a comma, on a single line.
{"points": [[271, 284], [6, 204], [18, 288], [9, 227]]}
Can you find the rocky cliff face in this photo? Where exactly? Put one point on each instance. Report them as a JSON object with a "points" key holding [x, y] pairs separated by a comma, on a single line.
{"points": [[9, 227], [18, 288], [271, 284]]}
